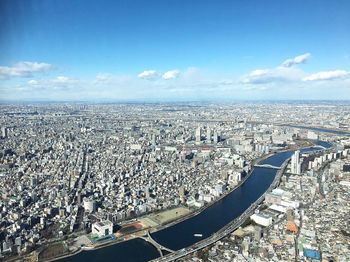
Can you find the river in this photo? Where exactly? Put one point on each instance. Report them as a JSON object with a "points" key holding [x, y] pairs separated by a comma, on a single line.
{"points": [[207, 222]]}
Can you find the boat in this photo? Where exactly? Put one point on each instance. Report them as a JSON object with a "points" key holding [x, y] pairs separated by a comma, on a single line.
{"points": [[198, 235]]}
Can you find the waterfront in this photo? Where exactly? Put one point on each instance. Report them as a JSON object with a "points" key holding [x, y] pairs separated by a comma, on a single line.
{"points": [[209, 221], [219, 214], [135, 250], [323, 130]]}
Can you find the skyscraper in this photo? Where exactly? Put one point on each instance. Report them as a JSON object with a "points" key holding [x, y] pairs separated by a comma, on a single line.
{"points": [[215, 137], [198, 134], [295, 167], [208, 135], [3, 132]]}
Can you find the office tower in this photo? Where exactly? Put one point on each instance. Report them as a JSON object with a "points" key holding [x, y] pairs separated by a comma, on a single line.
{"points": [[215, 137], [208, 135], [3, 132], [147, 193], [198, 134], [154, 139], [295, 163], [182, 191], [33, 181]]}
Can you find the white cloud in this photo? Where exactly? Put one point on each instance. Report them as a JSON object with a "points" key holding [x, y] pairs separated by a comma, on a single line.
{"points": [[56, 83], [283, 73], [296, 60], [171, 74], [278, 74], [327, 75], [33, 82], [23, 69], [64, 80], [148, 74]]}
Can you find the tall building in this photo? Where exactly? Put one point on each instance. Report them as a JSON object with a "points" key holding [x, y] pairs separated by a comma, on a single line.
{"points": [[198, 134], [147, 193], [295, 167], [3, 132], [208, 135], [182, 191], [154, 139], [215, 137]]}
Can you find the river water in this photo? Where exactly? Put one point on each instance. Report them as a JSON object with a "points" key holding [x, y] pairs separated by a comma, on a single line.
{"points": [[209, 221]]}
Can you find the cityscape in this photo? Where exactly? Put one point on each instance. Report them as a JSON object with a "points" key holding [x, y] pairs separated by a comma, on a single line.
{"points": [[161, 131], [84, 176]]}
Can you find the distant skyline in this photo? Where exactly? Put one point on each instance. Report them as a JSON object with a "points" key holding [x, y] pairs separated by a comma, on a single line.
{"points": [[169, 50]]}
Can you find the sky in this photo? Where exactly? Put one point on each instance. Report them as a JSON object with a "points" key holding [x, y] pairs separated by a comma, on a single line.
{"points": [[174, 50]]}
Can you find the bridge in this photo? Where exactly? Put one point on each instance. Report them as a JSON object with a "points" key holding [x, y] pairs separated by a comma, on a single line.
{"points": [[268, 166], [159, 247]]}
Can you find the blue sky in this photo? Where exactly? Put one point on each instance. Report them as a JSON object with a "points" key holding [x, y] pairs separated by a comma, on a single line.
{"points": [[174, 50]]}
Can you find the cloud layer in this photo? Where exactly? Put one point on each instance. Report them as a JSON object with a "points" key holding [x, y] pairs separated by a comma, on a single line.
{"points": [[278, 74], [23, 69], [285, 80], [288, 73], [327, 75]]}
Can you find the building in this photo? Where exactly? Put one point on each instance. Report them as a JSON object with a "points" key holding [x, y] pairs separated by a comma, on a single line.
{"points": [[261, 219], [295, 167], [89, 205], [3, 132], [182, 191], [220, 188], [208, 135], [103, 228], [234, 178], [312, 254], [198, 134], [292, 227], [216, 137], [147, 193], [274, 197], [312, 135]]}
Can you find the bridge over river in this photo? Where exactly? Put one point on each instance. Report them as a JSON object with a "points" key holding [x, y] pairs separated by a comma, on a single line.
{"points": [[159, 247]]}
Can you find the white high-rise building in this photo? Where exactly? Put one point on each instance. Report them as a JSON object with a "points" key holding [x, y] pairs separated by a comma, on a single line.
{"points": [[208, 135], [3, 132], [295, 167], [215, 137], [198, 134]]}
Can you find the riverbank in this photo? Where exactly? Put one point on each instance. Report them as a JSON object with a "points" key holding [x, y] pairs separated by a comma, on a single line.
{"points": [[199, 214], [143, 232], [229, 228], [321, 129]]}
